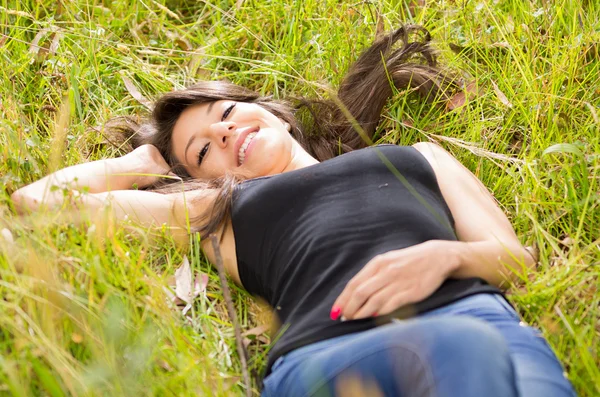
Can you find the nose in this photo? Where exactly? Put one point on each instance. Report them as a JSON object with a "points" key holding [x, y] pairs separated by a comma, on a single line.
{"points": [[222, 131]]}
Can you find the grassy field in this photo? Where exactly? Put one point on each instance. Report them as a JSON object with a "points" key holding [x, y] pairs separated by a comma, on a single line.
{"points": [[83, 309]]}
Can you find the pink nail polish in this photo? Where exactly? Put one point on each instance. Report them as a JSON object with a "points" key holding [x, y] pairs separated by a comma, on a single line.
{"points": [[375, 314], [335, 312]]}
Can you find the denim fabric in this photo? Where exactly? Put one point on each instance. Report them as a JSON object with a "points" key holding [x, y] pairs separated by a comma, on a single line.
{"points": [[477, 346]]}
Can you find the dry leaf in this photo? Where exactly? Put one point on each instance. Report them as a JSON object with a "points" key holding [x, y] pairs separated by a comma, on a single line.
{"points": [[35, 47], [54, 44], [134, 92], [185, 291], [256, 331], [501, 95], [3, 40], [470, 92], [183, 43]]}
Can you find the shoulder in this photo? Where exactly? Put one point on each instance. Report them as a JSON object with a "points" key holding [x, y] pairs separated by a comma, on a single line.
{"points": [[442, 162], [432, 152]]}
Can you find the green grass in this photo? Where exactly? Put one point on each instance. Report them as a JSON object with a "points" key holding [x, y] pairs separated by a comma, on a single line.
{"points": [[83, 311]]}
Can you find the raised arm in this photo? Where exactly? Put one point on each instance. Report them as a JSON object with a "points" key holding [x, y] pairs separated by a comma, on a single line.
{"points": [[105, 184], [140, 167]]}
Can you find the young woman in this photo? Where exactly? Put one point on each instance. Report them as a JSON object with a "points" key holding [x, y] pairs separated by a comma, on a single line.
{"points": [[383, 264]]}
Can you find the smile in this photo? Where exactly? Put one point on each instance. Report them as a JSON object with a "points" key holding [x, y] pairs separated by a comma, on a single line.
{"points": [[242, 151]]}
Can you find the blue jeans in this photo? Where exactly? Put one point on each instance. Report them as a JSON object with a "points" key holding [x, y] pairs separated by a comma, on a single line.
{"points": [[477, 346]]}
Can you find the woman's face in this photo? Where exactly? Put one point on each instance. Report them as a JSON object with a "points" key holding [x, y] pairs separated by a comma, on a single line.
{"points": [[226, 136]]}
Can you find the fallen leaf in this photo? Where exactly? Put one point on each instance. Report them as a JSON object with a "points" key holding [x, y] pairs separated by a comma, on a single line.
{"points": [[261, 329], [501, 95], [458, 100], [134, 92], [56, 36], [246, 342], [3, 40], [35, 47], [183, 43], [566, 243], [185, 291]]}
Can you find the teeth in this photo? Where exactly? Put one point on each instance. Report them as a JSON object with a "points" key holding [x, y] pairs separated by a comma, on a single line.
{"points": [[242, 152]]}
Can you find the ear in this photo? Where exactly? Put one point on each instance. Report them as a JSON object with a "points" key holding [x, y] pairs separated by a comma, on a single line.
{"points": [[288, 127]]}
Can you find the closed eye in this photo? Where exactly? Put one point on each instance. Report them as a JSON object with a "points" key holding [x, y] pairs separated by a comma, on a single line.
{"points": [[228, 111], [202, 153]]}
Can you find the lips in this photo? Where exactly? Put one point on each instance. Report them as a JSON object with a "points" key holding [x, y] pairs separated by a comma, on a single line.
{"points": [[243, 134]]}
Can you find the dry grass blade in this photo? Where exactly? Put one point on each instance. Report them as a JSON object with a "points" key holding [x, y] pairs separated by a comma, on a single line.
{"points": [[135, 93], [593, 112], [501, 95], [231, 311], [16, 12], [477, 150], [380, 28], [166, 10], [60, 135]]}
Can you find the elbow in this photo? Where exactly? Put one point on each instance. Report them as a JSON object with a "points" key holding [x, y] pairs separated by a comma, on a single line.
{"points": [[23, 203]]}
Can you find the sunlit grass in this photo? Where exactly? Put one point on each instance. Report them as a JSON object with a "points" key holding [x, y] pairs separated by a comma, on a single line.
{"points": [[83, 311]]}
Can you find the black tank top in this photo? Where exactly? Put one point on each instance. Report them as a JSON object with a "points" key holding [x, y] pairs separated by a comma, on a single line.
{"points": [[302, 235]]}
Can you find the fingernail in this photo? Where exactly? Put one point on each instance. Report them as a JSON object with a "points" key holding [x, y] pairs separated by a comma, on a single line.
{"points": [[375, 314], [335, 312], [343, 318]]}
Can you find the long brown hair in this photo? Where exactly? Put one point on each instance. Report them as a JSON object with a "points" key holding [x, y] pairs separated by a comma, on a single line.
{"points": [[320, 126]]}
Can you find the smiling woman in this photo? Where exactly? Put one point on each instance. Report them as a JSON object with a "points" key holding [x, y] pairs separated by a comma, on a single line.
{"points": [[383, 263], [230, 137]]}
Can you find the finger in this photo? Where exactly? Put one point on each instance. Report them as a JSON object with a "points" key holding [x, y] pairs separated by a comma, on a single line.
{"points": [[363, 293], [396, 301], [368, 270], [378, 301]]}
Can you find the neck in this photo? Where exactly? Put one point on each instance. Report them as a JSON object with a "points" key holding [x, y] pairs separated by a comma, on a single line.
{"points": [[300, 158]]}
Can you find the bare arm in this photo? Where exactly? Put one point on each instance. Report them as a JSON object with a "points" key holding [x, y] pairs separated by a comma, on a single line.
{"points": [[488, 246], [93, 187], [95, 177]]}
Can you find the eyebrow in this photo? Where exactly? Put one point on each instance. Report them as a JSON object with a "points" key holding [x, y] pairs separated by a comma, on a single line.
{"points": [[187, 147], [210, 106]]}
